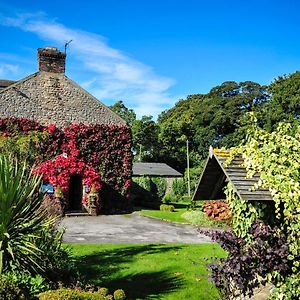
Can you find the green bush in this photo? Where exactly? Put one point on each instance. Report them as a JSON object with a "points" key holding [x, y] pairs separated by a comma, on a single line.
{"points": [[288, 290], [72, 294], [10, 291], [169, 198], [165, 207], [179, 187], [144, 182], [161, 186], [119, 295], [29, 284]]}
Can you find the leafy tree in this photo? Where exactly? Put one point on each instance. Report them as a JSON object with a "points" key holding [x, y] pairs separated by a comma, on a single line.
{"points": [[210, 119], [145, 139], [284, 104], [125, 113]]}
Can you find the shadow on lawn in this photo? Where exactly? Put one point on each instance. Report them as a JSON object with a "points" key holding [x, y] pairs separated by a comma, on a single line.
{"points": [[101, 268]]}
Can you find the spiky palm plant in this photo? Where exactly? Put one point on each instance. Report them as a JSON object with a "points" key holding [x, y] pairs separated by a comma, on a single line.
{"points": [[21, 220]]}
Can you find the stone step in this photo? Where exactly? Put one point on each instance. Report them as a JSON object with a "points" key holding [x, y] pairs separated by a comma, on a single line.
{"points": [[76, 214]]}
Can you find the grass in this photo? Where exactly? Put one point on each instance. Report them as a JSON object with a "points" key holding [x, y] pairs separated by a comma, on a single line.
{"points": [[171, 272], [175, 216], [196, 217]]}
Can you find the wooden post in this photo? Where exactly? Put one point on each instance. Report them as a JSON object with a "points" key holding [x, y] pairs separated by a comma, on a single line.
{"points": [[188, 168]]}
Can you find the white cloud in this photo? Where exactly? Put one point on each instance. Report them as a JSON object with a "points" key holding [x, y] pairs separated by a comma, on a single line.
{"points": [[7, 69], [113, 75]]}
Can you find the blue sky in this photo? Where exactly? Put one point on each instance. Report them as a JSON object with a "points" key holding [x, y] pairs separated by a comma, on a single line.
{"points": [[152, 53]]}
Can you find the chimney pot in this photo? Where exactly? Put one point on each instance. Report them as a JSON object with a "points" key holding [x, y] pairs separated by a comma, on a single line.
{"points": [[52, 60]]}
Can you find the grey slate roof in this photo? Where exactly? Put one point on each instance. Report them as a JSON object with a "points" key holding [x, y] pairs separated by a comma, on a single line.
{"points": [[154, 169], [216, 173], [54, 98], [5, 83]]}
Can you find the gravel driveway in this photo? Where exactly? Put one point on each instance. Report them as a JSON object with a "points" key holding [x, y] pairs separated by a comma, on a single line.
{"points": [[132, 228]]}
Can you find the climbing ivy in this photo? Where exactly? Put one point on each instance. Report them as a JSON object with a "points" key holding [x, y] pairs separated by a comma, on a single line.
{"points": [[276, 157], [244, 213]]}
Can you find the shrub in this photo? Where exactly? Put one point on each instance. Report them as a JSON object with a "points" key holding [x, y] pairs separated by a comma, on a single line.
{"points": [[165, 207], [10, 291], [179, 187], [161, 185], [267, 253], [72, 294], [29, 284], [21, 222], [217, 210], [103, 291], [288, 290], [169, 198], [29, 241], [119, 295]]}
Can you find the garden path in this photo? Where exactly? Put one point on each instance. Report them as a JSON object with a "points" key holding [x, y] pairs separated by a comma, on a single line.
{"points": [[131, 228]]}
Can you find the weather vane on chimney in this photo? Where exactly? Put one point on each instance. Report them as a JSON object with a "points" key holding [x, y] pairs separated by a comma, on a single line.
{"points": [[67, 44]]}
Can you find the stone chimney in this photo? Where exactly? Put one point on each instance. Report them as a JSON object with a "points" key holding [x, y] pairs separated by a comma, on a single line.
{"points": [[51, 60]]}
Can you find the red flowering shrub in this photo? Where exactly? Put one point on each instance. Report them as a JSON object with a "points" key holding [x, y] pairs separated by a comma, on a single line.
{"points": [[101, 154]]}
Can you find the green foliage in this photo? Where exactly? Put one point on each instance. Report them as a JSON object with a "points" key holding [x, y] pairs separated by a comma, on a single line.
{"points": [[179, 187], [166, 207], [10, 291], [276, 157], [119, 295], [288, 290], [29, 284], [161, 185], [149, 189], [145, 139], [284, 104], [24, 146], [29, 241], [169, 198], [244, 213], [211, 119], [199, 218], [77, 294], [125, 113], [144, 182], [21, 222]]}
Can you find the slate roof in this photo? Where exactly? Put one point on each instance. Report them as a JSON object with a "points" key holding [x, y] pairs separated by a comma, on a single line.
{"points": [[154, 169], [5, 83], [216, 175]]}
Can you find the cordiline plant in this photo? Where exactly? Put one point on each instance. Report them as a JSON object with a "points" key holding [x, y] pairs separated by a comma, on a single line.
{"points": [[21, 220]]}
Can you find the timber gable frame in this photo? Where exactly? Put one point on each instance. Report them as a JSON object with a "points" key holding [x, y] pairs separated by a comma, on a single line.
{"points": [[217, 173]]}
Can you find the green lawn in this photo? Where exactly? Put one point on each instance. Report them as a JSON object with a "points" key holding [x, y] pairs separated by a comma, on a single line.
{"points": [[164, 271], [199, 218], [174, 216]]}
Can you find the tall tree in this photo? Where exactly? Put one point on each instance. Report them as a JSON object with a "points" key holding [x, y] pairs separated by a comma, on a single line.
{"points": [[284, 104], [145, 139], [210, 119], [125, 113]]}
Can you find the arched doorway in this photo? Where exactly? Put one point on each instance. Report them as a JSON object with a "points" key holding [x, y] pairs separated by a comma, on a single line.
{"points": [[75, 193]]}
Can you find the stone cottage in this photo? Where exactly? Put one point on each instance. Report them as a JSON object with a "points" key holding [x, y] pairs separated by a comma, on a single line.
{"points": [[92, 138]]}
